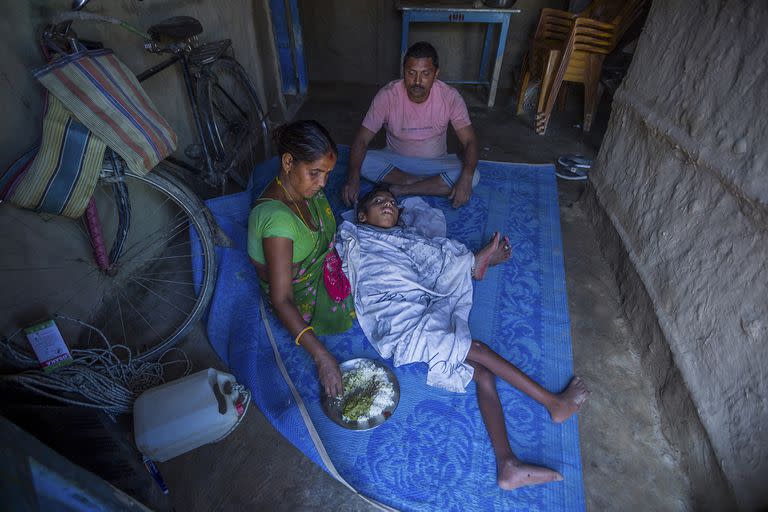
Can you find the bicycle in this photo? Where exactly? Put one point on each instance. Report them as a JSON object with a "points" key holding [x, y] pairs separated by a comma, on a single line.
{"points": [[145, 292], [232, 127]]}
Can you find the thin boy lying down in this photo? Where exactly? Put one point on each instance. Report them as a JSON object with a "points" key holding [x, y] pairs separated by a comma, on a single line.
{"points": [[413, 295]]}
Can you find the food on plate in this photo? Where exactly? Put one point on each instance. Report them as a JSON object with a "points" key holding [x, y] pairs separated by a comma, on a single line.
{"points": [[368, 392]]}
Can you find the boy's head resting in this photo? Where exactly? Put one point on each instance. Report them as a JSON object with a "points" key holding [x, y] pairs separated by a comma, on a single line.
{"points": [[378, 208]]}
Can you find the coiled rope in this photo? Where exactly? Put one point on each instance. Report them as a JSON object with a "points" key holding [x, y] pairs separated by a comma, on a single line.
{"points": [[98, 378]]}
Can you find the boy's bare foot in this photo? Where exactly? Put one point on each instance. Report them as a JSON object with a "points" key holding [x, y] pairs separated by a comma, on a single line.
{"points": [[569, 401], [511, 474], [496, 251]]}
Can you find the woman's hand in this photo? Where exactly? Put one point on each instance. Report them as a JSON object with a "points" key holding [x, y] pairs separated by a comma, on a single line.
{"points": [[330, 374]]}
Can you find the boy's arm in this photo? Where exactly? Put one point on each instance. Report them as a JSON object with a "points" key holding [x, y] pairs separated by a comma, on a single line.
{"points": [[462, 190], [351, 188]]}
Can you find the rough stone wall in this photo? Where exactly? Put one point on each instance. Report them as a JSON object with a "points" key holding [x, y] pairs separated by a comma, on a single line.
{"points": [[681, 175], [246, 22], [359, 41]]}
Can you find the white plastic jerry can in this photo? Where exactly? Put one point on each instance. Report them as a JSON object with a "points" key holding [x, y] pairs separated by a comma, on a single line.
{"points": [[181, 415]]}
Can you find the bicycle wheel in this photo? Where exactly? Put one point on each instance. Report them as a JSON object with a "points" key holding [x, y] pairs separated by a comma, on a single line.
{"points": [[157, 290], [234, 122]]}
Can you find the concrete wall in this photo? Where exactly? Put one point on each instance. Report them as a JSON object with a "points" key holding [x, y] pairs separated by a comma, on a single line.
{"points": [[359, 41], [246, 22], [681, 177]]}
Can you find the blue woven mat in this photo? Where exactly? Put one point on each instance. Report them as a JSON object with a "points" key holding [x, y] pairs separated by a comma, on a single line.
{"points": [[434, 453]]}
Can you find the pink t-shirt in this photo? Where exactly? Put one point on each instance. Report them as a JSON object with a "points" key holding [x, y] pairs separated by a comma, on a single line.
{"points": [[417, 129]]}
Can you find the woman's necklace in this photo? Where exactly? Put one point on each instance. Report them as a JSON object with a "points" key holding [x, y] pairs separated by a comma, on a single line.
{"points": [[277, 179]]}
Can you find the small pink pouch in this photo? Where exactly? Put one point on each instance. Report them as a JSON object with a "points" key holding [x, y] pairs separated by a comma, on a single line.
{"points": [[336, 283]]}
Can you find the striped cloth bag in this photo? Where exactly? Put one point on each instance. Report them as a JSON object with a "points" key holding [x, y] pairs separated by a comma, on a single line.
{"points": [[59, 175], [94, 101], [106, 97]]}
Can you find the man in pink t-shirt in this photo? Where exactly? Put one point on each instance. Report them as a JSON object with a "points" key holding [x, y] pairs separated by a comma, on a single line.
{"points": [[416, 111]]}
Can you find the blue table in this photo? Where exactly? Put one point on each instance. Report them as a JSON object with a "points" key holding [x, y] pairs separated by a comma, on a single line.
{"points": [[423, 12]]}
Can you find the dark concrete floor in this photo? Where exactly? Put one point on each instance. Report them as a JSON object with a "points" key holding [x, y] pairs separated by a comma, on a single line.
{"points": [[628, 464]]}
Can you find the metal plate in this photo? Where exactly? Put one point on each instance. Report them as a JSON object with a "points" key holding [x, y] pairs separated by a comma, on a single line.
{"points": [[332, 406]]}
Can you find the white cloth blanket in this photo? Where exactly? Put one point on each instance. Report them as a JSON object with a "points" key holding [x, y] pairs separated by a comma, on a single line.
{"points": [[413, 295]]}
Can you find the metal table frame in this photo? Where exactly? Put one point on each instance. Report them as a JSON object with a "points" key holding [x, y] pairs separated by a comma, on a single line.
{"points": [[415, 13]]}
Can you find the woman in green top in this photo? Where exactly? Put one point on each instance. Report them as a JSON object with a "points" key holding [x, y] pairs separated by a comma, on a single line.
{"points": [[290, 241]]}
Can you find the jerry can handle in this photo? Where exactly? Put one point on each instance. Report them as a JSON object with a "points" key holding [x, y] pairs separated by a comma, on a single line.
{"points": [[241, 406], [223, 391]]}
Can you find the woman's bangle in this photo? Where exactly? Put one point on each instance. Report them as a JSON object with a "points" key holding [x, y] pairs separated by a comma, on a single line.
{"points": [[307, 328]]}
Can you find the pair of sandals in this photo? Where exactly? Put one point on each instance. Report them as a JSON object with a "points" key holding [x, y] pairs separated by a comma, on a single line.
{"points": [[573, 167]]}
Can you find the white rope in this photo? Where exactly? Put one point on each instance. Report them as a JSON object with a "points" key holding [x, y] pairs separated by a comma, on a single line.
{"points": [[108, 379], [308, 421]]}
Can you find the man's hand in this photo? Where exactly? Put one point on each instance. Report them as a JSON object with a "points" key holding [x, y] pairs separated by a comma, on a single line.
{"points": [[461, 191], [330, 375], [350, 191]]}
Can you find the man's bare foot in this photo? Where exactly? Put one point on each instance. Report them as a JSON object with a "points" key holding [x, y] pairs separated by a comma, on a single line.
{"points": [[496, 251], [397, 190], [511, 474], [569, 401]]}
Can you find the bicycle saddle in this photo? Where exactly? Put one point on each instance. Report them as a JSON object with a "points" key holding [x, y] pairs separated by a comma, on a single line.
{"points": [[177, 28]]}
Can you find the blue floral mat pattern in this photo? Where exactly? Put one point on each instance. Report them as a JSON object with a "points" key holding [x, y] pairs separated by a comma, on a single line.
{"points": [[434, 453]]}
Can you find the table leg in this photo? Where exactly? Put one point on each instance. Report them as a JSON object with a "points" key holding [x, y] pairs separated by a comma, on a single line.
{"points": [[486, 52], [298, 48], [404, 40], [499, 57]]}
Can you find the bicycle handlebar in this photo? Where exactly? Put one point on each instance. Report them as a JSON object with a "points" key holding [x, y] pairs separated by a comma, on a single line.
{"points": [[87, 16]]}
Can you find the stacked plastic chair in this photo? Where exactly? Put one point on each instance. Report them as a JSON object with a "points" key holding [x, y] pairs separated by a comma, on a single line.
{"points": [[571, 47]]}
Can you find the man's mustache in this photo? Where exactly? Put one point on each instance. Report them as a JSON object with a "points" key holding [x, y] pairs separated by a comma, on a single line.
{"points": [[416, 88]]}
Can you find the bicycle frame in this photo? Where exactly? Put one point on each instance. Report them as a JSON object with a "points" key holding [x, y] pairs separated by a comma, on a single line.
{"points": [[182, 51], [185, 71]]}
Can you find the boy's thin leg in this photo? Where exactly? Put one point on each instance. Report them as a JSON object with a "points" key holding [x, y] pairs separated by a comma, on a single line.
{"points": [[561, 406], [511, 473]]}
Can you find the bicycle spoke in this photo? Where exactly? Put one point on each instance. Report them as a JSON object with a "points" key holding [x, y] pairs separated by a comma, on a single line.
{"points": [[49, 298], [169, 235], [139, 313], [180, 244], [148, 241], [186, 283], [122, 320], [100, 306], [161, 258], [180, 215], [180, 294], [179, 271], [152, 216], [161, 205], [190, 283], [174, 306]]}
